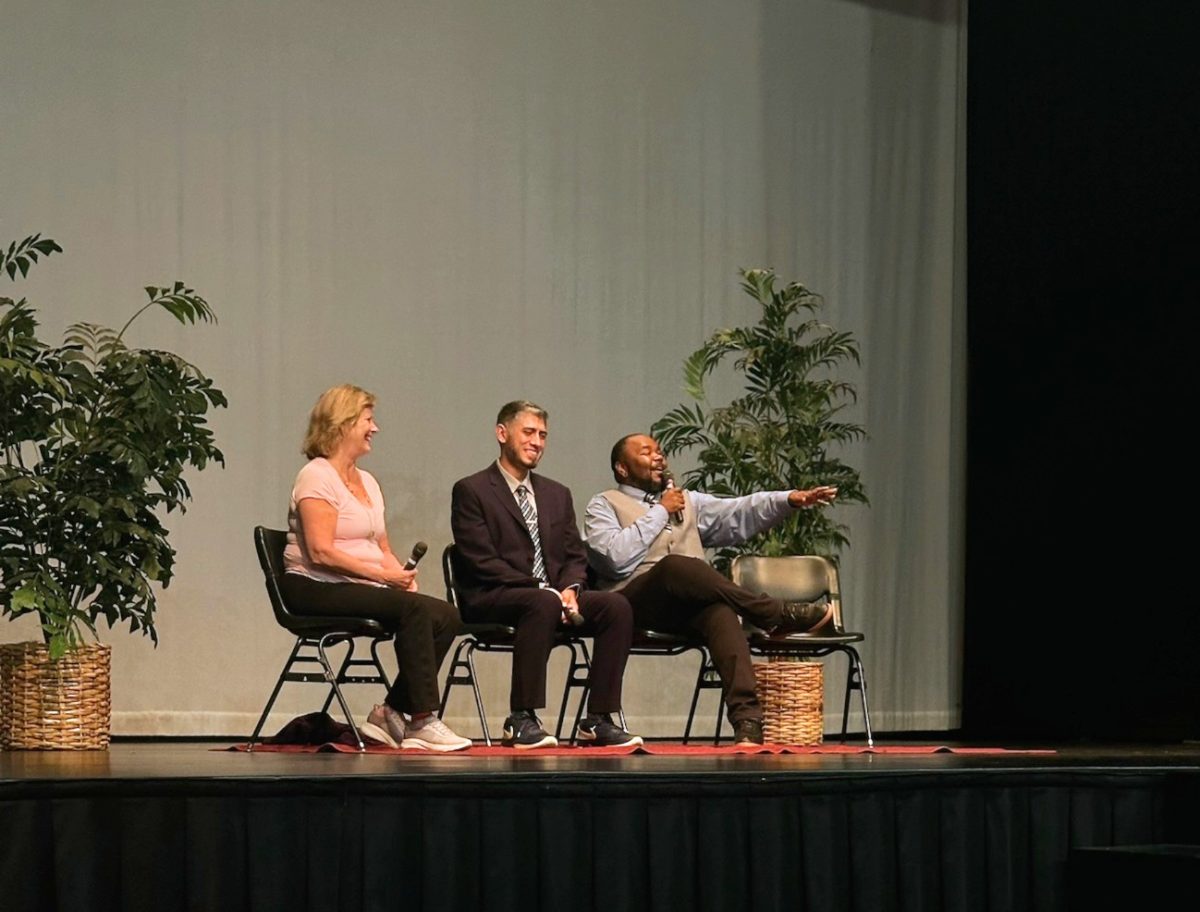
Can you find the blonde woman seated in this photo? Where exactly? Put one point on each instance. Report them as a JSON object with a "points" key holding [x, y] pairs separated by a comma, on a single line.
{"points": [[338, 561]]}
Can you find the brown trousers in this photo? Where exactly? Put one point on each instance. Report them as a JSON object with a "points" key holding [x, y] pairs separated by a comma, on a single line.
{"points": [[682, 594]]}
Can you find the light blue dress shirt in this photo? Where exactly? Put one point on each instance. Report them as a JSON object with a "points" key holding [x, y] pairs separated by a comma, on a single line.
{"points": [[617, 552]]}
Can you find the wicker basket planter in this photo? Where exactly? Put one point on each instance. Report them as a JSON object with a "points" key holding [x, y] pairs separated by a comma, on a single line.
{"points": [[47, 705], [792, 694]]}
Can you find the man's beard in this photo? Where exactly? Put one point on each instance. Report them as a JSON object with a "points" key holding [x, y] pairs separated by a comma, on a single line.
{"points": [[517, 457]]}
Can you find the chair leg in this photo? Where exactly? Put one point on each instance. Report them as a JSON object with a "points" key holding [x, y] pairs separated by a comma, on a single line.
{"points": [[562, 707], [720, 721], [586, 692], [332, 679], [574, 679], [341, 672], [856, 680], [687, 731], [274, 693], [487, 737], [451, 678], [462, 671], [378, 675], [387, 682], [712, 673]]}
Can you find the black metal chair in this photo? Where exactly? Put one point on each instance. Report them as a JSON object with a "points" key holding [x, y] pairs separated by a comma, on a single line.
{"points": [[495, 637], [805, 578], [647, 642], [313, 636]]}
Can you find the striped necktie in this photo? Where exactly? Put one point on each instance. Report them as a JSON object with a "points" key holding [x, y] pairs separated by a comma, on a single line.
{"points": [[539, 564]]}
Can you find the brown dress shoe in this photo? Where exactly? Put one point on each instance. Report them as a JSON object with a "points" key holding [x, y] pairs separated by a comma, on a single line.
{"points": [[806, 617], [747, 731]]}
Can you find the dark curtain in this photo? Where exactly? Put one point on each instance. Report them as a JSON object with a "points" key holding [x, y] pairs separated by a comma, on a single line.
{"points": [[1082, 138], [902, 842]]}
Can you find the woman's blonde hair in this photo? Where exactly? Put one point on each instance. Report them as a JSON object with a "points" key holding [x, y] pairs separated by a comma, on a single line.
{"points": [[331, 417]]}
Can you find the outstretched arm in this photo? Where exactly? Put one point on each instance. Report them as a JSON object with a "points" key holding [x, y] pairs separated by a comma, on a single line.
{"points": [[732, 520], [813, 497]]}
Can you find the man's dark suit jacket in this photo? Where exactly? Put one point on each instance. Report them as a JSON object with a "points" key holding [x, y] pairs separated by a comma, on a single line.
{"points": [[494, 550]]}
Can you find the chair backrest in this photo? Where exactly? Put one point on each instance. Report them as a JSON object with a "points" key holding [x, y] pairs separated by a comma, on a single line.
{"points": [[448, 575], [269, 543], [793, 578]]}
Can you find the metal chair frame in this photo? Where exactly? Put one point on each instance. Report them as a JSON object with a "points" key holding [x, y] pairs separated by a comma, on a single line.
{"points": [[657, 643], [314, 635]]}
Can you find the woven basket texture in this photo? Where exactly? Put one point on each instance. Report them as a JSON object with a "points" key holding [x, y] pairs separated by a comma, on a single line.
{"points": [[48, 705], [792, 694]]}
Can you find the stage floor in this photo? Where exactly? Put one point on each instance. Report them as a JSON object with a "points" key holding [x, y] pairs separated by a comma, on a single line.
{"points": [[207, 760]]}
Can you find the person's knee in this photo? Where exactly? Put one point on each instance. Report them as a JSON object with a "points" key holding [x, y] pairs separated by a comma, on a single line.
{"points": [[687, 577], [613, 610], [445, 616], [679, 563], [544, 609], [440, 610]]}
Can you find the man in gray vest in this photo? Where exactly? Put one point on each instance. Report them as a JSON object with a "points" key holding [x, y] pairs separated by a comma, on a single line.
{"points": [[646, 538]]}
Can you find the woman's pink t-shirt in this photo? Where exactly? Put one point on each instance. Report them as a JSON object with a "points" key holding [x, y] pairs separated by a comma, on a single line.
{"points": [[358, 528]]}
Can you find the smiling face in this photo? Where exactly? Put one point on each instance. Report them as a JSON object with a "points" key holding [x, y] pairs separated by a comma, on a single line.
{"points": [[522, 441], [356, 441], [641, 464]]}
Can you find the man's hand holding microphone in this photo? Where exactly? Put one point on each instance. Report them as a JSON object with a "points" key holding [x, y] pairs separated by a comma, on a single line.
{"points": [[671, 498]]}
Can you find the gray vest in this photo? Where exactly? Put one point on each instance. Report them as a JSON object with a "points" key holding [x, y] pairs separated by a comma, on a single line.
{"points": [[683, 538]]}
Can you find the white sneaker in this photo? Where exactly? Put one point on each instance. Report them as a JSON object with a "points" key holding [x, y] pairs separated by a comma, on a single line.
{"points": [[370, 731], [388, 723], [431, 733]]}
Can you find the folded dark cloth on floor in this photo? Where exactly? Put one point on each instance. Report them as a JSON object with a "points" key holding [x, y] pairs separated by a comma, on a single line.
{"points": [[317, 728]]}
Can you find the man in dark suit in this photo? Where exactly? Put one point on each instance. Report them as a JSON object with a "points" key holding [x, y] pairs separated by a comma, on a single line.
{"points": [[519, 560]]}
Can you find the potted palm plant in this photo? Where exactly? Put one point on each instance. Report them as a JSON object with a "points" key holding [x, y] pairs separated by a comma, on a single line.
{"points": [[780, 433], [94, 440]]}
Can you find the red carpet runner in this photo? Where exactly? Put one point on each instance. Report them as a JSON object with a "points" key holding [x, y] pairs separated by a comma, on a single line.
{"points": [[662, 749]]}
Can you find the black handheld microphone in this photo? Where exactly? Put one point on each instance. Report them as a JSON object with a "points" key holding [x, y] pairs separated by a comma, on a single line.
{"points": [[418, 552], [669, 484], [573, 616]]}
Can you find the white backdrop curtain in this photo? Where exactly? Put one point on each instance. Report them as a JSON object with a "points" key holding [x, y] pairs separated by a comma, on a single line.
{"points": [[457, 202]]}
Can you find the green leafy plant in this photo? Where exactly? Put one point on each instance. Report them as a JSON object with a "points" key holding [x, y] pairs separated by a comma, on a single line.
{"points": [[94, 440], [779, 433]]}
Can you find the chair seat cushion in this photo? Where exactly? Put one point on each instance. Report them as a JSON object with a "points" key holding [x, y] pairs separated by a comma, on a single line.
{"points": [[761, 643], [319, 625]]}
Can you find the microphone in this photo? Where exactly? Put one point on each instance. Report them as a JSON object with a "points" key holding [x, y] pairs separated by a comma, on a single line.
{"points": [[418, 552], [668, 485], [571, 614]]}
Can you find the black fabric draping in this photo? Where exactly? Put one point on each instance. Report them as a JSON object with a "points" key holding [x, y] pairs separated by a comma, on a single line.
{"points": [[520, 841]]}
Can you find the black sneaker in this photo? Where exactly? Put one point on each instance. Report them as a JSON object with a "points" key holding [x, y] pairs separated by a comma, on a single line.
{"points": [[600, 731], [747, 731], [523, 730]]}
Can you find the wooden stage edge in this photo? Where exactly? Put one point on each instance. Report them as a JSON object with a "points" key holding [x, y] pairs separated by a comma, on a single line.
{"points": [[151, 760]]}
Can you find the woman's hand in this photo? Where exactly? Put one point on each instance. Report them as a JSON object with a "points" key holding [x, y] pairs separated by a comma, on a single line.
{"points": [[399, 578]]}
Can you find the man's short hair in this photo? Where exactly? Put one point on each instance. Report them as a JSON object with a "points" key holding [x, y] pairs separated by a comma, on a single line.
{"points": [[618, 451], [511, 410]]}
